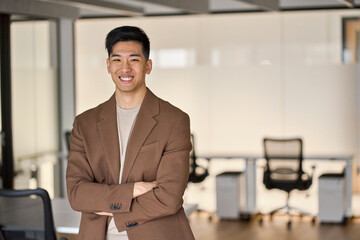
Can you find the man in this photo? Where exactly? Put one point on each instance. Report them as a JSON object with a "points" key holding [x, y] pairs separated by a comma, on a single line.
{"points": [[129, 157]]}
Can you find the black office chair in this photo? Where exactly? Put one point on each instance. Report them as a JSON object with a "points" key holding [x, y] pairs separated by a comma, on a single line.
{"points": [[26, 215], [284, 158], [197, 173], [67, 139]]}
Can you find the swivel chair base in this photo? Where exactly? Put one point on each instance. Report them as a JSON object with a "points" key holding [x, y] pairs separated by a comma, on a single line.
{"points": [[290, 211]]}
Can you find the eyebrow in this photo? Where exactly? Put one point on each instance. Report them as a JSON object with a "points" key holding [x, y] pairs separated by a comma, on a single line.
{"points": [[131, 55]]}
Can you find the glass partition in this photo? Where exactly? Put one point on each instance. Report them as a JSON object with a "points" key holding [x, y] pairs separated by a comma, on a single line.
{"points": [[34, 104]]}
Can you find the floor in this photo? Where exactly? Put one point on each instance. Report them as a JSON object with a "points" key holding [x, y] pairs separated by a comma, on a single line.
{"points": [[271, 229], [207, 226]]}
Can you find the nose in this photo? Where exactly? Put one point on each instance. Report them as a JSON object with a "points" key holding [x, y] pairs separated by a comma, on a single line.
{"points": [[125, 67]]}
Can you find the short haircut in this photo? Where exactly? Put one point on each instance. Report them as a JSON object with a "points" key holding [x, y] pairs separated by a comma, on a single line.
{"points": [[125, 34]]}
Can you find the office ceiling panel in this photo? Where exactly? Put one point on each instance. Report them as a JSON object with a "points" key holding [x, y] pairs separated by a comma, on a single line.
{"points": [[171, 7], [116, 8]]}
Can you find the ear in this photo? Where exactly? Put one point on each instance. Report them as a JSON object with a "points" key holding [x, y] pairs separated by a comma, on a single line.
{"points": [[148, 66], [108, 65]]}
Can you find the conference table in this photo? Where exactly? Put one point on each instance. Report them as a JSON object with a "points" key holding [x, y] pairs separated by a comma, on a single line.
{"points": [[250, 175], [67, 220]]}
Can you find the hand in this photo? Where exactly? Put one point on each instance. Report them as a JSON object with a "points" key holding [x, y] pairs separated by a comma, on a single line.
{"points": [[142, 187], [104, 214]]}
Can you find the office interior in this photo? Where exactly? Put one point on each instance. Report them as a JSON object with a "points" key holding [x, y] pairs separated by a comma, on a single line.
{"points": [[241, 70]]}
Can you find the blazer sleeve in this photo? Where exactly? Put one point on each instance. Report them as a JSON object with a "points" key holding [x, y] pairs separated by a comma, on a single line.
{"points": [[171, 180], [84, 193]]}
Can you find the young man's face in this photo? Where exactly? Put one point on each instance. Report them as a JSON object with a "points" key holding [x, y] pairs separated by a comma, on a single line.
{"points": [[128, 67]]}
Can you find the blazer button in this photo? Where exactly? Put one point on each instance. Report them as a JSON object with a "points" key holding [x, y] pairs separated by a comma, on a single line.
{"points": [[132, 224], [115, 206]]}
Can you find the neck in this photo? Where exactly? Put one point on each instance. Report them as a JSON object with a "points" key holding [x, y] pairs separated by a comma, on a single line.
{"points": [[129, 100]]}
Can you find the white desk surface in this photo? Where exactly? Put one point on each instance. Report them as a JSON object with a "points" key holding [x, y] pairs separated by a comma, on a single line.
{"points": [[68, 221]]}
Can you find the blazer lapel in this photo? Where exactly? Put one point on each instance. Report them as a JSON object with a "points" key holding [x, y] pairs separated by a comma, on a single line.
{"points": [[145, 122], [109, 137]]}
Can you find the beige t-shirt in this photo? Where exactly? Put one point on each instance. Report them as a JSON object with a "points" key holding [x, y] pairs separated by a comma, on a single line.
{"points": [[125, 122]]}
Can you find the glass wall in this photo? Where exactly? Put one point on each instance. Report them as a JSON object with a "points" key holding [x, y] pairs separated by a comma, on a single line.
{"points": [[34, 104]]}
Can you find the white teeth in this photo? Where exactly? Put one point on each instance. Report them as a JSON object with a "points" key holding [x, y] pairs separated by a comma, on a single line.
{"points": [[126, 79]]}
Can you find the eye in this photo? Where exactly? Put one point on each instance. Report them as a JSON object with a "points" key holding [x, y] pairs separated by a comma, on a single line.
{"points": [[116, 60], [134, 60]]}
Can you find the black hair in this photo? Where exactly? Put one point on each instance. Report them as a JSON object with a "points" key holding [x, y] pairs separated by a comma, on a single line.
{"points": [[128, 33]]}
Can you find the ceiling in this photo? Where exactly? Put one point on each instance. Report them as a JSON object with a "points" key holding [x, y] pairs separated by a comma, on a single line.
{"points": [[127, 8], [173, 7]]}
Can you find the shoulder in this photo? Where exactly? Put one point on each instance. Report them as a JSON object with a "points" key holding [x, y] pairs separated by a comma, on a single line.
{"points": [[168, 108], [170, 113], [89, 114], [94, 114], [160, 108]]}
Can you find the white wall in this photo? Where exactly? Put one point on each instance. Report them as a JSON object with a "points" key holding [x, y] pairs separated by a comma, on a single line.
{"points": [[240, 76]]}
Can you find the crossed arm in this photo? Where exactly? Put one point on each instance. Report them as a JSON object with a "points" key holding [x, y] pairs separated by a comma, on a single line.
{"points": [[139, 189]]}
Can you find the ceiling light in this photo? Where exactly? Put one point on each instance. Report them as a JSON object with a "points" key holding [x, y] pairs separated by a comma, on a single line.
{"points": [[349, 3]]}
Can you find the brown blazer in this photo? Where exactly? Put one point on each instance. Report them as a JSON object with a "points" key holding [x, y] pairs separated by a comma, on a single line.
{"points": [[158, 150]]}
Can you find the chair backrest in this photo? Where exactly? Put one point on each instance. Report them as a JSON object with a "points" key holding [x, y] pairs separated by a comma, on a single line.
{"points": [[26, 214], [197, 173], [284, 158], [67, 139]]}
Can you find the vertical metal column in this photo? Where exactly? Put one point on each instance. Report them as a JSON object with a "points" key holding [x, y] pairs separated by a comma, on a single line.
{"points": [[66, 88], [7, 168]]}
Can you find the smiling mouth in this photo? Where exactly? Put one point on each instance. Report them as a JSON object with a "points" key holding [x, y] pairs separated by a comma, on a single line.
{"points": [[126, 79]]}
